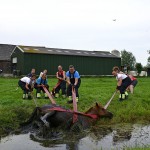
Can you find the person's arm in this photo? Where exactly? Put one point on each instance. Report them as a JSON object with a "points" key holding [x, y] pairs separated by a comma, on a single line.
{"points": [[57, 75], [68, 78], [41, 74], [64, 75], [119, 82], [76, 81], [27, 86], [77, 76]]}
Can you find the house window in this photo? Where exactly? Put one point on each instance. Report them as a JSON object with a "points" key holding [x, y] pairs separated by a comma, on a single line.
{"points": [[14, 60]]}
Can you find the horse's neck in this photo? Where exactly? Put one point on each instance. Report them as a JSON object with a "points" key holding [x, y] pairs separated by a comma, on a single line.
{"points": [[90, 111]]}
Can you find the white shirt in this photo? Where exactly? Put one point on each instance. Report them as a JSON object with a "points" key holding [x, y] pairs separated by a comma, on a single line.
{"points": [[26, 80], [121, 76]]}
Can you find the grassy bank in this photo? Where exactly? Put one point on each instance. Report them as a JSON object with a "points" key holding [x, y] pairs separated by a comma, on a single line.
{"points": [[14, 110]]}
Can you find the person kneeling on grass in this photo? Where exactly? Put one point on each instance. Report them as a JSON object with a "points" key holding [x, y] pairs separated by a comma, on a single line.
{"points": [[26, 85], [40, 83], [123, 81]]}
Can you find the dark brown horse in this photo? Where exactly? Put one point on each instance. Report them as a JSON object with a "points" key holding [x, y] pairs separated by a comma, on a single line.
{"points": [[54, 116]]}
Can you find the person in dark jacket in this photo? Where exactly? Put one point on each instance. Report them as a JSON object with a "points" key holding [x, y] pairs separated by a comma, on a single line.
{"points": [[73, 80], [31, 73]]}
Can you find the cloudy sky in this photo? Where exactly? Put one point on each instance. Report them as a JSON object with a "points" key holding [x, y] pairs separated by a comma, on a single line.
{"points": [[102, 25]]}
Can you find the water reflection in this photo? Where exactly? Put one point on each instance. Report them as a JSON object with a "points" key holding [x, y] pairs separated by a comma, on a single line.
{"points": [[104, 137]]}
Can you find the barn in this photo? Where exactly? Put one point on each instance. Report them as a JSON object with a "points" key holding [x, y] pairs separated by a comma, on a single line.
{"points": [[5, 57], [24, 58]]}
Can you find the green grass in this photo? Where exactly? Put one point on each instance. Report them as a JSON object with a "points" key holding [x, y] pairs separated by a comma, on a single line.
{"points": [[145, 148], [14, 110]]}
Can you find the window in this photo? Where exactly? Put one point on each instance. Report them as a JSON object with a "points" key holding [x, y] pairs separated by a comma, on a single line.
{"points": [[14, 60]]}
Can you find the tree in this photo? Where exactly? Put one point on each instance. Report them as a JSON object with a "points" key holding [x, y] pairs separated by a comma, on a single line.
{"points": [[139, 67], [148, 62], [148, 59], [127, 58]]}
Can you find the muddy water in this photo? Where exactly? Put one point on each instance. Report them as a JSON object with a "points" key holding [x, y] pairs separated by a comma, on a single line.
{"points": [[104, 137]]}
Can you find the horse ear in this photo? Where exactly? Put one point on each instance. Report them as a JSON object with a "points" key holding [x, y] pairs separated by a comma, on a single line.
{"points": [[97, 104]]}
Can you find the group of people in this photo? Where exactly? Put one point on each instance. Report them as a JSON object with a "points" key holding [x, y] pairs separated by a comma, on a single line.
{"points": [[70, 79], [125, 83]]}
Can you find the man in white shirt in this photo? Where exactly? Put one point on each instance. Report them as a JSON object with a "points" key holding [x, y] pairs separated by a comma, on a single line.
{"points": [[26, 83]]}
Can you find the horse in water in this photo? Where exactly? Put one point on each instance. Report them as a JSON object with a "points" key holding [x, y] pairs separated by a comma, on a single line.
{"points": [[55, 116]]}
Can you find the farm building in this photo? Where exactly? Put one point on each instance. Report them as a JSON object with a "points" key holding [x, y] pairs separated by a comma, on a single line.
{"points": [[24, 58], [5, 58]]}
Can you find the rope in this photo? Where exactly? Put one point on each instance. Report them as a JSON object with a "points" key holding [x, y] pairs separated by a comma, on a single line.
{"points": [[49, 95], [110, 100]]}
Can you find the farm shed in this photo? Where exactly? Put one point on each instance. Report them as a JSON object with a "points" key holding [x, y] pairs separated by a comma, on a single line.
{"points": [[5, 58], [24, 58]]}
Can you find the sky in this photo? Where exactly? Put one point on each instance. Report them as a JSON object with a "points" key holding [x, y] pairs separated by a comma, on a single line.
{"points": [[101, 25]]}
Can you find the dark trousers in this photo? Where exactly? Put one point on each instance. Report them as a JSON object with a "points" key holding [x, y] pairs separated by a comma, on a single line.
{"points": [[69, 89], [23, 87], [39, 89], [125, 83], [62, 86]]}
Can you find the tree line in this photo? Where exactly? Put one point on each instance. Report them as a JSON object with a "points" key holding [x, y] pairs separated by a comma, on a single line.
{"points": [[129, 60]]}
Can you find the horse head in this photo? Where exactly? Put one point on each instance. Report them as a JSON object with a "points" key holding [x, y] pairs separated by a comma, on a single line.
{"points": [[100, 111]]}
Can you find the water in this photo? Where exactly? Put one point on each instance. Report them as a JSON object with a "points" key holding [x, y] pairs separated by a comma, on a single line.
{"points": [[107, 138]]}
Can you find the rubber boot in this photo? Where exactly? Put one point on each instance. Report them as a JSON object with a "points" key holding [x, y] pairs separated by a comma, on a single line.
{"points": [[70, 100], [64, 96], [38, 95], [77, 99], [126, 95], [45, 95], [24, 96], [121, 97], [56, 95]]}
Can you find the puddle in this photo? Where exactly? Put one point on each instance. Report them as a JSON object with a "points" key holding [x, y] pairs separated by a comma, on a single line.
{"points": [[113, 137]]}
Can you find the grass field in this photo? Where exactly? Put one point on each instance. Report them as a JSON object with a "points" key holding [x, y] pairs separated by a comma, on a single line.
{"points": [[14, 110]]}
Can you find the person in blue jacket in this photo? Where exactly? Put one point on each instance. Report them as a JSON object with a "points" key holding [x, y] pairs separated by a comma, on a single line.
{"points": [[40, 83], [73, 80]]}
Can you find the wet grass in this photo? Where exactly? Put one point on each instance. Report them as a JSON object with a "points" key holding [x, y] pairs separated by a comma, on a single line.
{"points": [[14, 110]]}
